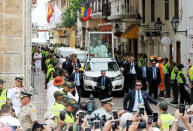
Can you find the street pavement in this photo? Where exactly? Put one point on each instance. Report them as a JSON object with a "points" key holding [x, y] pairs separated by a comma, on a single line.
{"points": [[40, 100]]}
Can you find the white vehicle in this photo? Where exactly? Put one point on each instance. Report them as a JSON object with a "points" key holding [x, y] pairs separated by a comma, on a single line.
{"points": [[93, 68]]}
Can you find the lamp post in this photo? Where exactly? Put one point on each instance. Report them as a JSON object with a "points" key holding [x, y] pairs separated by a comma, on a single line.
{"points": [[175, 24]]}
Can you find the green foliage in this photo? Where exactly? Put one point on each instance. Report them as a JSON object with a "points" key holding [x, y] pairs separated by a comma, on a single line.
{"points": [[70, 15]]}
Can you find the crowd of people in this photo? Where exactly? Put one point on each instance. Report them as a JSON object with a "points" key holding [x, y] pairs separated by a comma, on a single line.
{"points": [[66, 111]]}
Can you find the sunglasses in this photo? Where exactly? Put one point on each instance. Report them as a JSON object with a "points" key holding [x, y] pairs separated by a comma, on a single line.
{"points": [[137, 85]]}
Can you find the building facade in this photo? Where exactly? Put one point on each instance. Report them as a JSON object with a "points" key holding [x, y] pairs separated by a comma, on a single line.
{"points": [[15, 41]]}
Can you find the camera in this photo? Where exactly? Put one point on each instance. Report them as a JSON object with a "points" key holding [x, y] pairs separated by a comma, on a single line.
{"points": [[155, 117], [81, 116], [142, 125], [91, 104], [128, 123], [115, 114], [97, 124], [141, 111], [182, 108], [190, 119], [62, 115]]}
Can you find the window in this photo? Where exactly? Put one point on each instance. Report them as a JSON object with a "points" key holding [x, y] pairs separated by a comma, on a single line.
{"points": [[143, 10], [152, 10], [166, 9], [176, 8]]}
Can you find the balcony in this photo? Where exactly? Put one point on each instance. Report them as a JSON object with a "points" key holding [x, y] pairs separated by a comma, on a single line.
{"points": [[125, 9]]}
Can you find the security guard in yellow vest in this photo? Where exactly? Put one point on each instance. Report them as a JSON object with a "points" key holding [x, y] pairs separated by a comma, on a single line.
{"points": [[181, 81], [191, 82], [58, 104], [166, 118], [167, 74], [173, 80], [3, 93], [67, 116]]}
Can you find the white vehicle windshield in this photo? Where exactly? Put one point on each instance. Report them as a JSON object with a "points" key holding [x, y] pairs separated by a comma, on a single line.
{"points": [[98, 66]]}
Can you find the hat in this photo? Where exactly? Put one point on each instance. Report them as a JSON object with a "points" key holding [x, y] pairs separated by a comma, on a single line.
{"points": [[163, 105], [71, 102], [107, 101], [25, 94], [65, 98], [190, 109], [48, 115], [19, 78], [1, 80], [58, 93], [58, 81], [126, 116], [159, 59], [70, 85]]}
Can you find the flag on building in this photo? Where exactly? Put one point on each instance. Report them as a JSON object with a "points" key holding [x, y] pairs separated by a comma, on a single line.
{"points": [[85, 13], [50, 12]]}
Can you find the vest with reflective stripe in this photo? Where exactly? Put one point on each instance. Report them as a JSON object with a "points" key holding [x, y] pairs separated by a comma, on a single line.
{"points": [[191, 74], [69, 119], [166, 68], [3, 97], [173, 74], [179, 79], [166, 119]]}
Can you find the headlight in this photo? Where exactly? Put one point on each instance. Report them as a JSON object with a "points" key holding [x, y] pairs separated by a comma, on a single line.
{"points": [[88, 78], [119, 77]]}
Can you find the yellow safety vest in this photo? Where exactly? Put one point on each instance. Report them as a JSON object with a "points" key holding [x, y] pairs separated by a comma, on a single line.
{"points": [[140, 62], [179, 78], [3, 97], [191, 74], [173, 74], [48, 72], [166, 68], [167, 120], [69, 118], [56, 108]]}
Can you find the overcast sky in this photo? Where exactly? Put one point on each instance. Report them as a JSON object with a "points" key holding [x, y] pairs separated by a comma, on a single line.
{"points": [[40, 12]]}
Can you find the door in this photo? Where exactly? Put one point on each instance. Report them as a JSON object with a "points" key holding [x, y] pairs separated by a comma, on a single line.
{"points": [[178, 52]]}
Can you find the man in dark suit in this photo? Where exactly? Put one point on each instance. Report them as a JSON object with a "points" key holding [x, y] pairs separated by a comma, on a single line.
{"points": [[104, 86], [74, 64], [77, 78], [67, 65], [131, 71], [137, 98], [142, 74], [154, 79]]}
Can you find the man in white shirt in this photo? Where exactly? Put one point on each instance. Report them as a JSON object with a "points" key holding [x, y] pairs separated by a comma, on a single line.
{"points": [[13, 94], [58, 83], [6, 119], [38, 58], [137, 98], [133, 68]]}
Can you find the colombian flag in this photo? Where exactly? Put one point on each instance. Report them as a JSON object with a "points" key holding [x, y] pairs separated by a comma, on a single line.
{"points": [[50, 12], [85, 13]]}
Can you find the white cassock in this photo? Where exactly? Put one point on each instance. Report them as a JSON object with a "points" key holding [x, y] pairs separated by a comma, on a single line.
{"points": [[37, 62], [50, 95], [103, 51]]}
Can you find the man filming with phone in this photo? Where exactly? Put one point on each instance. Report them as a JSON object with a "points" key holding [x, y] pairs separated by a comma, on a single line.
{"points": [[138, 98]]}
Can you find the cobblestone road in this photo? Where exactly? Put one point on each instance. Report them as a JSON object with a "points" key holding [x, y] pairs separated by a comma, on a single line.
{"points": [[40, 99]]}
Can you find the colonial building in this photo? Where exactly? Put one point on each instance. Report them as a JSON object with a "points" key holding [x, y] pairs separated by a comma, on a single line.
{"points": [[15, 40]]}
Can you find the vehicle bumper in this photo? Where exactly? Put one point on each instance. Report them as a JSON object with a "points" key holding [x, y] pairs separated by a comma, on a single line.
{"points": [[90, 85]]}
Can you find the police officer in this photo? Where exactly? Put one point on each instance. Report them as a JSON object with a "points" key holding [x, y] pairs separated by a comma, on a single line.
{"points": [[3, 93], [166, 118], [58, 104], [191, 83], [167, 72], [173, 80], [13, 94], [67, 117], [28, 113], [102, 113], [181, 81]]}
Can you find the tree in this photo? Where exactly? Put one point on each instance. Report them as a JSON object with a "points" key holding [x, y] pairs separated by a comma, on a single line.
{"points": [[69, 17]]}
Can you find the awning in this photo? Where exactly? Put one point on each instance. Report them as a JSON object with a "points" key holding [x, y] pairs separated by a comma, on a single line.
{"points": [[131, 32]]}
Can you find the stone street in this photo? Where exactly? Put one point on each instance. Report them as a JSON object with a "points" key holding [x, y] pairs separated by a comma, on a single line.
{"points": [[40, 100]]}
